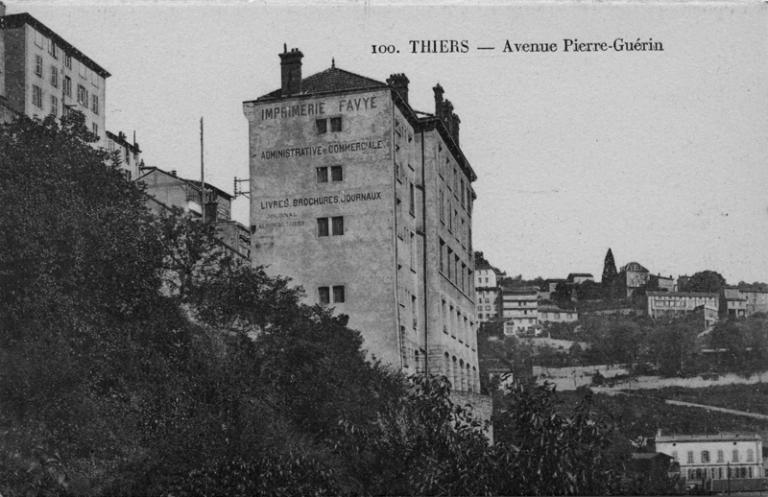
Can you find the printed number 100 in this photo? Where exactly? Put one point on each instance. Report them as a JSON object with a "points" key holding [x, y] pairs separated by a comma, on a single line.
{"points": [[379, 49]]}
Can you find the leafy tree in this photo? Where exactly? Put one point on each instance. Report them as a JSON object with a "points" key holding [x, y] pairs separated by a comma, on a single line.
{"points": [[705, 281]]}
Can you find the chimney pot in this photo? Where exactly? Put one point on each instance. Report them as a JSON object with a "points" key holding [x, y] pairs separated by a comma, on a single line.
{"points": [[290, 71], [399, 83]]}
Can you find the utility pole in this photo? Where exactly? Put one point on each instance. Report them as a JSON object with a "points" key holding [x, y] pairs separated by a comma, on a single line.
{"points": [[202, 174]]}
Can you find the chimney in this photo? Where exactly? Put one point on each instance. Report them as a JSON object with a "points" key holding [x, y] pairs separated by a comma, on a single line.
{"points": [[290, 71], [399, 83], [438, 100], [173, 172]]}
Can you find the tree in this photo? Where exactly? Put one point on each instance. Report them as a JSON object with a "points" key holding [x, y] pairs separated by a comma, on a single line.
{"points": [[609, 270], [705, 281]]}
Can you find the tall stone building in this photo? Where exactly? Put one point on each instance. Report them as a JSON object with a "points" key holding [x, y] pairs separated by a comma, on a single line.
{"points": [[44, 74], [367, 204]]}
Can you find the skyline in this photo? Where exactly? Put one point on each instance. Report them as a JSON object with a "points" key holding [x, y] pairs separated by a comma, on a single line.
{"points": [[660, 156]]}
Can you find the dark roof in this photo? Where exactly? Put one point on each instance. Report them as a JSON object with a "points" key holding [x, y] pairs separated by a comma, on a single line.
{"points": [[571, 276], [681, 294], [193, 183], [332, 79], [635, 267], [120, 139], [18, 20]]}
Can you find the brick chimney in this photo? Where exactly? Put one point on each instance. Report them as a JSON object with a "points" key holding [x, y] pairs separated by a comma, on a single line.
{"points": [[399, 83], [290, 71], [438, 100]]}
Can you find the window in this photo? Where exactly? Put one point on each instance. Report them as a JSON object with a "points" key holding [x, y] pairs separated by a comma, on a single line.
{"points": [[322, 226], [53, 49], [412, 250], [39, 65], [82, 95], [442, 208], [690, 457], [450, 263], [336, 173], [95, 104], [735, 455], [95, 128], [322, 175], [38, 39], [704, 456], [54, 105], [321, 125], [337, 225], [335, 124], [750, 455], [338, 293], [68, 61], [442, 262], [67, 86], [411, 199], [37, 96], [674, 455], [720, 457], [54, 76], [324, 295]]}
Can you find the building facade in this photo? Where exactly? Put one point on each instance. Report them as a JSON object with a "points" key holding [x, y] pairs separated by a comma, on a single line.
{"points": [[46, 75], [671, 304], [128, 154], [635, 276], [733, 304], [721, 462], [756, 299], [554, 314], [487, 290], [368, 205], [520, 309]]}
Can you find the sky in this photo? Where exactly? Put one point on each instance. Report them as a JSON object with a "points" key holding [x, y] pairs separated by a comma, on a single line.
{"points": [[660, 155]]}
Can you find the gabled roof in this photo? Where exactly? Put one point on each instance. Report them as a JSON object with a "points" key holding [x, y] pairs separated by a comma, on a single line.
{"points": [[332, 79], [194, 184]]}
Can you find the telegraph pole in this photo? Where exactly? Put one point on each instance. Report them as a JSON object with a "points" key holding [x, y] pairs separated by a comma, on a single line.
{"points": [[202, 174]]}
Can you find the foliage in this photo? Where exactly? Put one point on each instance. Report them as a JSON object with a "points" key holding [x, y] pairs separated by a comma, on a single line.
{"points": [[609, 270], [704, 281], [138, 357]]}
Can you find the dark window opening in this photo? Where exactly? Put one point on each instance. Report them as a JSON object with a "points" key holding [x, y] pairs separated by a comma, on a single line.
{"points": [[336, 173], [321, 125], [338, 293], [322, 175], [324, 295], [335, 124], [322, 226], [337, 225]]}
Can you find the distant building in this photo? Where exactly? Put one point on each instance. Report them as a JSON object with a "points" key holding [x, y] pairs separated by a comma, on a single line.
{"points": [[579, 278], [487, 291], [173, 191], [44, 74], [720, 463], [635, 276], [554, 314], [128, 153], [663, 283], [757, 299], [520, 309], [733, 304], [671, 304]]}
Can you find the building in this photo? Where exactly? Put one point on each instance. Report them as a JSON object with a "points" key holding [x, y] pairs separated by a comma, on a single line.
{"points": [[721, 462], [44, 74], [757, 298], [635, 276], [578, 278], [520, 309], [367, 204], [554, 314], [128, 154], [671, 304], [487, 290], [173, 191], [662, 283], [733, 304]]}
